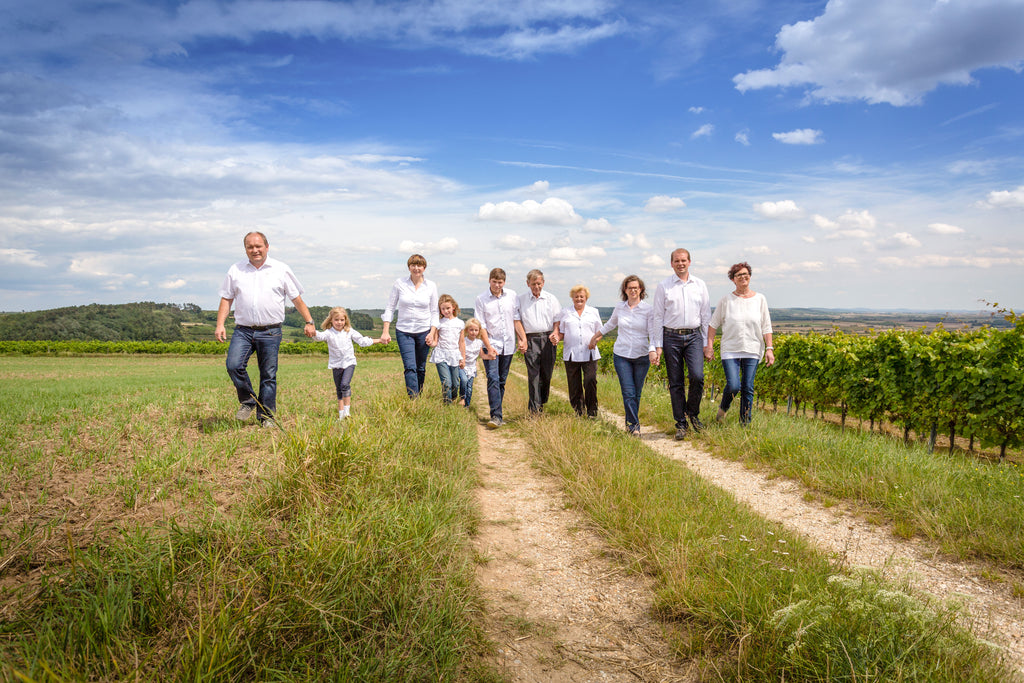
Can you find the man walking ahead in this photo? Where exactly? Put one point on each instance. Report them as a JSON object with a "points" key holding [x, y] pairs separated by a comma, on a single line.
{"points": [[258, 288], [682, 311]]}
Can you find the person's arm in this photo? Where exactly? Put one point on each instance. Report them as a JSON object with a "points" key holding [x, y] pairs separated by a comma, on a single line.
{"points": [[219, 333], [462, 348], [658, 322], [309, 329], [389, 312], [709, 349], [520, 335], [766, 324], [769, 349], [487, 344]]}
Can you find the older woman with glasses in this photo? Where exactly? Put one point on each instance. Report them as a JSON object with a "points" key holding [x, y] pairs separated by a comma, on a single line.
{"points": [[746, 326]]}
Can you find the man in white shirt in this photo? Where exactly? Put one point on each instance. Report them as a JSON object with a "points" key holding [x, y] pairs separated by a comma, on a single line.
{"points": [[682, 311], [258, 288], [495, 309], [534, 320]]}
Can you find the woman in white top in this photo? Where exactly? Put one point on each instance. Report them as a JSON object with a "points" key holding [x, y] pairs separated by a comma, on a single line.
{"points": [[576, 327], [634, 349], [746, 328], [415, 300]]}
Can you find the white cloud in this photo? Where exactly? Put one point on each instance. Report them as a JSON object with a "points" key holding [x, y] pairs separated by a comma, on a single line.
{"points": [[446, 245], [900, 240], [631, 240], [1006, 198], [824, 223], [945, 229], [479, 269], [173, 284], [894, 52], [781, 210], [858, 219], [339, 284], [663, 204], [761, 250], [704, 131], [452, 272], [845, 261], [801, 136], [516, 242], [21, 257], [540, 187], [598, 225], [696, 110], [743, 137], [575, 257], [809, 239], [655, 261], [552, 211]]}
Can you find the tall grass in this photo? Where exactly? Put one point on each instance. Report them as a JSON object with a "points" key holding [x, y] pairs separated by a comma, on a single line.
{"points": [[747, 599], [341, 554]]}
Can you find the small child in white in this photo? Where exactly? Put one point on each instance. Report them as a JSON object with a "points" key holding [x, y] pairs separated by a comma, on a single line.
{"points": [[450, 353], [474, 349], [341, 356]]}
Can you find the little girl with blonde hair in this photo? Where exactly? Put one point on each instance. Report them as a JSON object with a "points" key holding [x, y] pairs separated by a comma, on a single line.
{"points": [[341, 357]]}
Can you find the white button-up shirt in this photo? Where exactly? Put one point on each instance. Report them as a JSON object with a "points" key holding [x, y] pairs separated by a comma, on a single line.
{"points": [[340, 352], [416, 306], [496, 314], [259, 294], [681, 304], [537, 313], [579, 329], [636, 329]]}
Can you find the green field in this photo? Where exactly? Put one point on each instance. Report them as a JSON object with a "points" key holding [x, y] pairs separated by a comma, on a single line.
{"points": [[147, 535]]}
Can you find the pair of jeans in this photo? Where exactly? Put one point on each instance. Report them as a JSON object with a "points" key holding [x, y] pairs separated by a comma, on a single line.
{"points": [[465, 387], [450, 381], [343, 381], [739, 378], [684, 356], [540, 365], [632, 374], [414, 350], [497, 372], [582, 380], [246, 341]]}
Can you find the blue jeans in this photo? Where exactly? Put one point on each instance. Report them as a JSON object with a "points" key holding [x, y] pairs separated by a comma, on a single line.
{"points": [[264, 343], [414, 350], [497, 373], [739, 378], [449, 375], [465, 387], [684, 353], [343, 381], [632, 374]]}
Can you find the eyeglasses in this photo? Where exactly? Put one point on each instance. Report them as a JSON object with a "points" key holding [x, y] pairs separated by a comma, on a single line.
{"points": [[739, 275]]}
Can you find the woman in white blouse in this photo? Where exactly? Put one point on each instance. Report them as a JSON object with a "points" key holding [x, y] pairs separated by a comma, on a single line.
{"points": [[415, 300], [634, 349], [746, 326], [576, 327]]}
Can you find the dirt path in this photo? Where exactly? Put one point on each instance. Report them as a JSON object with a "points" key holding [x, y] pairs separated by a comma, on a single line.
{"points": [[547, 568], [558, 608]]}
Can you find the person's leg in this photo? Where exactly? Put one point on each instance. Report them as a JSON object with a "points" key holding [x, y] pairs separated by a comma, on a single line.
{"points": [[345, 387], [574, 380], [337, 373], [532, 358], [693, 351], [624, 370], [493, 388], [641, 366], [748, 369], [239, 351], [422, 352], [547, 359], [731, 367], [504, 365], [675, 369], [590, 387], [463, 380], [407, 349], [267, 344], [469, 390]]}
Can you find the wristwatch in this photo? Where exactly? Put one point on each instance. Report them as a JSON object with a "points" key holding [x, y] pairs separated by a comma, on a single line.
{"points": [[309, 322]]}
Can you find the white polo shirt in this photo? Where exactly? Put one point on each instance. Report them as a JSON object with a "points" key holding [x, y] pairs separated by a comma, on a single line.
{"points": [[259, 294]]}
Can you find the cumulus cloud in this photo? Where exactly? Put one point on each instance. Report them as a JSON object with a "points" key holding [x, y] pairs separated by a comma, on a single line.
{"points": [[743, 137], [479, 269], [781, 210], [945, 229], [1006, 198], [552, 211], [21, 257], [515, 242], [655, 261], [446, 245], [663, 204], [575, 257], [540, 187], [173, 284], [900, 240], [704, 131], [339, 284], [631, 240], [760, 250], [696, 110], [894, 52], [597, 225], [801, 136]]}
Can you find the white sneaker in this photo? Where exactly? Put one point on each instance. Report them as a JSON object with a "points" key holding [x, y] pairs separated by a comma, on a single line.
{"points": [[244, 412]]}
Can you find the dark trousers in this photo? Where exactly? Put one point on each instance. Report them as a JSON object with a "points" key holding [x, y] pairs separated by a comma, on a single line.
{"points": [[414, 350], [684, 362], [497, 372], [540, 364], [246, 341], [582, 380]]}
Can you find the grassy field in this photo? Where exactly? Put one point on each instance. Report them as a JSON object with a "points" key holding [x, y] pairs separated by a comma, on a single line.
{"points": [[144, 534]]}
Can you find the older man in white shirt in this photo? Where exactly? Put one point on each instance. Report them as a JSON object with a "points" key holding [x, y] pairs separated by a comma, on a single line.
{"points": [[495, 309], [534, 319], [682, 311], [258, 288]]}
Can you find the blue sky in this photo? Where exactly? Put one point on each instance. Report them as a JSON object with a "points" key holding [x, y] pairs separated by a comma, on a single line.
{"points": [[858, 153]]}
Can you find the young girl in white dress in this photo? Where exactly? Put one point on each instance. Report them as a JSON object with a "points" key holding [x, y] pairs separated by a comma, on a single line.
{"points": [[450, 353], [474, 349]]}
